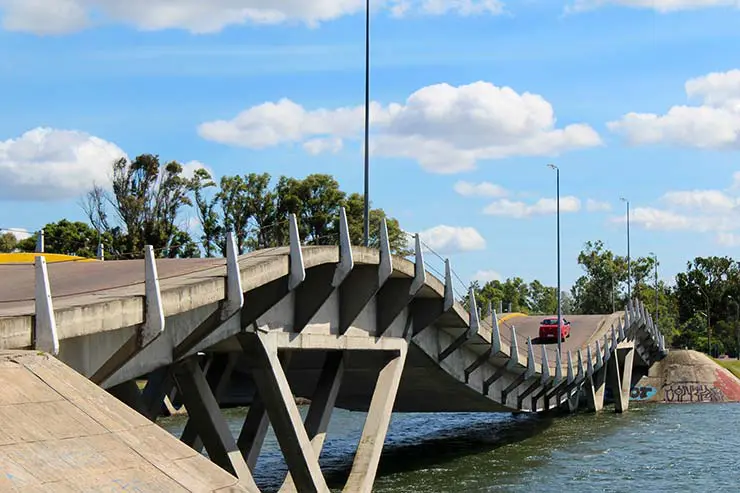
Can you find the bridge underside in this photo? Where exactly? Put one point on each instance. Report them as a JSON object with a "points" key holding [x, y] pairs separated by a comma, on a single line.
{"points": [[424, 386]]}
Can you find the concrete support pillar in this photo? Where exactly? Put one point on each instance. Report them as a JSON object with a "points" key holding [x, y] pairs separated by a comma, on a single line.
{"points": [[253, 432], [212, 427], [322, 405], [594, 388], [128, 393], [158, 385], [282, 411], [367, 457], [254, 429], [218, 375], [624, 359]]}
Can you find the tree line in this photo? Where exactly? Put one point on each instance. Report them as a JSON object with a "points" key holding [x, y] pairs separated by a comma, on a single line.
{"points": [[148, 200], [700, 310]]}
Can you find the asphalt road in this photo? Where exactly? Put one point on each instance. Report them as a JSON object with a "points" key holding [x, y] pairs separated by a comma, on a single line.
{"points": [[583, 330]]}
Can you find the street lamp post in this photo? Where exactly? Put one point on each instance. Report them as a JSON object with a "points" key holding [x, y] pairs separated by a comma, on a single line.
{"points": [[367, 123], [629, 263], [709, 325], [557, 200], [655, 262]]}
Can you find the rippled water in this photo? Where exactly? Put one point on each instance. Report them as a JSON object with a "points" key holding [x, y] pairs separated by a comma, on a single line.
{"points": [[652, 448]]}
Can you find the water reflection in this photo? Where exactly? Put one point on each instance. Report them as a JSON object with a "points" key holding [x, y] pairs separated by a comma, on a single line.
{"points": [[650, 448]]}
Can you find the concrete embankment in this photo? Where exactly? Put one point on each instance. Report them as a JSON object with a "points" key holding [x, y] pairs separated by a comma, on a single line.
{"points": [[59, 432], [686, 376]]}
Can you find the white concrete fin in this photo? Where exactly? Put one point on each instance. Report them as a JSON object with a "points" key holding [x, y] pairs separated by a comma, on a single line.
{"points": [[473, 319], [40, 242], [607, 351], [589, 362], [46, 338], [449, 287], [570, 376], [579, 373], [154, 318], [346, 261], [100, 253], [629, 307], [513, 349], [558, 367], [297, 268], [234, 292], [530, 358], [495, 335], [615, 341], [622, 335], [386, 262], [545, 362], [661, 345], [489, 313], [599, 356], [420, 273]]}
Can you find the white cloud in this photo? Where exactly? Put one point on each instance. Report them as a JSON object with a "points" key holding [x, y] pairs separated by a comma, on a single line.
{"points": [[597, 206], [199, 16], [728, 239], [485, 276], [49, 164], [483, 189], [321, 145], [189, 168], [445, 128], [19, 233], [452, 239], [516, 209], [715, 124], [662, 6], [701, 200]]}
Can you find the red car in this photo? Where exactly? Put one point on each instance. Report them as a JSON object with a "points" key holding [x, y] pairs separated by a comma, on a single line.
{"points": [[549, 329]]}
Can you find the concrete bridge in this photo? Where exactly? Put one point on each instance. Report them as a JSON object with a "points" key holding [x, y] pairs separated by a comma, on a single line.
{"points": [[344, 326]]}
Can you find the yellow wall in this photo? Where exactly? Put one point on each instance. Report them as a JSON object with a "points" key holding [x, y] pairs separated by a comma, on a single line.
{"points": [[29, 258]]}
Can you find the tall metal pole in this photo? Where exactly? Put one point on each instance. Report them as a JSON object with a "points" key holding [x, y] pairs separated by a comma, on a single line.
{"points": [[656, 289], [560, 311], [629, 260], [367, 123]]}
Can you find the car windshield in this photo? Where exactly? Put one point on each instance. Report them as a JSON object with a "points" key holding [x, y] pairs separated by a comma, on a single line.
{"points": [[550, 321]]}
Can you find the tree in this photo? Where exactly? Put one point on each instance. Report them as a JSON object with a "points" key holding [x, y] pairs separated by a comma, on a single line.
{"points": [[67, 238], [397, 238], [8, 242], [599, 288], [542, 299], [147, 199]]}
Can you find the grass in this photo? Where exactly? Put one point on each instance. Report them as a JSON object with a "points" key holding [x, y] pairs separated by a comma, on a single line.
{"points": [[733, 365]]}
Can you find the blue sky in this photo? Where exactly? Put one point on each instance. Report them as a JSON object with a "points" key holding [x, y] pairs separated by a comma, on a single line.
{"points": [[635, 98]]}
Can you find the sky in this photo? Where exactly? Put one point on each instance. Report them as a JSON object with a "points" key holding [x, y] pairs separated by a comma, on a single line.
{"points": [[471, 100]]}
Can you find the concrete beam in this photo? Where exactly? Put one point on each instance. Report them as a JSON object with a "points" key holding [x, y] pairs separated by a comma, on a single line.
{"points": [[215, 433], [322, 405], [282, 411], [367, 457], [473, 327]]}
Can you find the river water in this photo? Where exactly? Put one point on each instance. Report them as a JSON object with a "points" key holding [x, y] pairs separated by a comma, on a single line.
{"points": [[651, 448]]}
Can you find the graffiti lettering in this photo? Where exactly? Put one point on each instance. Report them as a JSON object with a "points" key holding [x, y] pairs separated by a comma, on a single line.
{"points": [[642, 393], [688, 392]]}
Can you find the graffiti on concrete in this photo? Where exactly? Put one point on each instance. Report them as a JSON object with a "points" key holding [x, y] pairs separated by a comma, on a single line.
{"points": [[690, 392], [642, 393]]}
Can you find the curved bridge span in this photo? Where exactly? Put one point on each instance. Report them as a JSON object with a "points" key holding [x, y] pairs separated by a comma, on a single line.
{"points": [[344, 326]]}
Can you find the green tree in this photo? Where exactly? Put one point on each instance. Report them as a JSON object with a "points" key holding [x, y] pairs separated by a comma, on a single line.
{"points": [[355, 206], [542, 299], [67, 238], [8, 242], [147, 199]]}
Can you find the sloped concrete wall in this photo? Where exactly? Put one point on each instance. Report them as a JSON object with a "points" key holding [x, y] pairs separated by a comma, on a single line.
{"points": [[61, 432], [686, 376]]}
